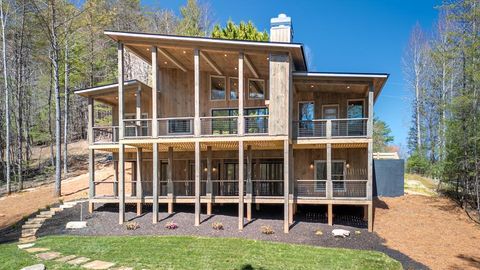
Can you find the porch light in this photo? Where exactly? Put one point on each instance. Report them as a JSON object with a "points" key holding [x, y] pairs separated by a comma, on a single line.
{"points": [[184, 52], [225, 55], [206, 169], [311, 165], [235, 68], [214, 169], [347, 166], [348, 86], [165, 62], [311, 86]]}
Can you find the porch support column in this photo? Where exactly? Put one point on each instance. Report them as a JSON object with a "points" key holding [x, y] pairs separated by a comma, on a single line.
{"points": [[121, 195], [240, 185], [209, 180], [91, 154], [121, 71], [197, 131], [286, 185], [329, 184], [115, 177], [170, 180], [241, 127], [138, 187], [369, 185], [138, 109], [91, 182], [249, 183], [197, 183], [155, 183], [154, 92]]}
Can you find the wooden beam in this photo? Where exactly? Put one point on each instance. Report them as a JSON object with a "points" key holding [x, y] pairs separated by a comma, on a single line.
{"points": [[329, 184], [251, 67], [91, 120], [196, 71], [91, 173], [172, 59], [121, 195], [155, 183], [330, 214], [197, 183], [241, 127], [138, 170], [209, 171], [370, 111], [121, 71], [211, 63], [154, 92], [286, 185], [249, 182], [240, 185]]}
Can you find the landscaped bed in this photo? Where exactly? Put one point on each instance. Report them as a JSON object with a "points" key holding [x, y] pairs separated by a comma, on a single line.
{"points": [[183, 252]]}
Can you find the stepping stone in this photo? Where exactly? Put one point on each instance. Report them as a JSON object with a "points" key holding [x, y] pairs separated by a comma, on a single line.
{"points": [[66, 258], [31, 226], [34, 267], [48, 255], [63, 206], [35, 250], [35, 221], [123, 268], [29, 232], [44, 216], [24, 246], [47, 213], [98, 265], [24, 240], [76, 225], [78, 261], [56, 209]]}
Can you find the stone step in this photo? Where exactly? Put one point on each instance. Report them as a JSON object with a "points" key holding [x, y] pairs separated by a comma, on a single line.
{"points": [[47, 213], [64, 206], [44, 216], [31, 226], [56, 209], [29, 239], [35, 220], [29, 232]]}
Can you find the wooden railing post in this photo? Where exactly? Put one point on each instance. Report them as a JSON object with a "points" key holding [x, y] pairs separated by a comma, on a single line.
{"points": [[329, 129], [154, 117], [329, 184], [240, 121]]}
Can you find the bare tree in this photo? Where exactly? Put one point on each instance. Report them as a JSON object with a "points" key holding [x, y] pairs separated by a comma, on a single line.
{"points": [[3, 19]]}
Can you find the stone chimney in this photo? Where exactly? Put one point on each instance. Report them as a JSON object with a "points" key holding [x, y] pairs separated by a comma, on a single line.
{"points": [[281, 28]]}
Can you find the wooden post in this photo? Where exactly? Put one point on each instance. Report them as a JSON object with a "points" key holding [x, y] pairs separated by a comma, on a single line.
{"points": [[330, 214], [155, 183], [240, 185], [138, 110], [286, 185], [370, 111], [91, 174], [329, 184], [241, 127], [290, 213], [328, 129], [121, 71], [154, 92], [209, 180], [249, 183], [196, 71], [170, 180], [369, 186], [138, 187], [115, 178], [197, 183], [370, 217], [121, 197]]}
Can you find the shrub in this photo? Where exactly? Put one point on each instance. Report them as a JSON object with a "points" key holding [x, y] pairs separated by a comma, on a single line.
{"points": [[171, 225], [217, 226], [131, 226], [267, 230], [318, 232]]}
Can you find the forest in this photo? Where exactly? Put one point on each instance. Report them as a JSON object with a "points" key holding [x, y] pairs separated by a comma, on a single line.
{"points": [[443, 72]]}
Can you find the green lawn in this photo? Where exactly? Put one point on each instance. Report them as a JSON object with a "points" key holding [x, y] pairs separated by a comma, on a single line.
{"points": [[172, 252]]}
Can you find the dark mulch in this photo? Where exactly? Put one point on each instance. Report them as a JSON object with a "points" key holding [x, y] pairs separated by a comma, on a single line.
{"points": [[104, 221]]}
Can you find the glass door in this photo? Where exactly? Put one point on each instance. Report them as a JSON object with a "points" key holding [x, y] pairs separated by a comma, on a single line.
{"points": [[306, 114], [355, 110]]}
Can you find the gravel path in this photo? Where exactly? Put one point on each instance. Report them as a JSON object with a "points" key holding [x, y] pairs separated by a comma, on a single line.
{"points": [[104, 221]]}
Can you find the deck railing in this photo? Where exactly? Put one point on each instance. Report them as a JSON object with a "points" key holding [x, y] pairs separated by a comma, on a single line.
{"points": [[327, 128], [135, 128], [349, 188], [256, 124], [105, 134], [337, 188], [267, 187], [183, 187], [311, 188], [225, 187], [175, 127], [219, 125]]}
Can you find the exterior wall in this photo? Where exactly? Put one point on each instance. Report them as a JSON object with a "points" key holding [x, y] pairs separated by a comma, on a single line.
{"points": [[280, 90], [388, 177]]}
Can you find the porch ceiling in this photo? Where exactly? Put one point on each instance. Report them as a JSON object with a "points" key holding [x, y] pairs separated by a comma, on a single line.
{"points": [[216, 146], [334, 146]]}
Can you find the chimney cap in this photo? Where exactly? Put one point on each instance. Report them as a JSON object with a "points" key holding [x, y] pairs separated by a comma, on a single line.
{"points": [[281, 20]]}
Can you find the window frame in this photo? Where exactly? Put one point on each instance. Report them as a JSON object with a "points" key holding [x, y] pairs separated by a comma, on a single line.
{"points": [[230, 88], [210, 87], [330, 105], [364, 112], [264, 89], [316, 187]]}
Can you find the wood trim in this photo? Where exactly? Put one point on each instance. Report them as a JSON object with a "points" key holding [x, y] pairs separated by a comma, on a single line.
{"points": [[172, 59], [251, 67], [210, 86], [211, 63]]}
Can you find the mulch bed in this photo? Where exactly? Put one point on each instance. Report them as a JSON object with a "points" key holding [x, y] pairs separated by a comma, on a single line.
{"points": [[104, 222]]}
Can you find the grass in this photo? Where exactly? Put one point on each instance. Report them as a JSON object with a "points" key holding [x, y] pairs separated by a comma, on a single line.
{"points": [[184, 252]]}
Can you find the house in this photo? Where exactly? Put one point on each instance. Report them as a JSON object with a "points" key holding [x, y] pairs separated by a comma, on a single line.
{"points": [[213, 106]]}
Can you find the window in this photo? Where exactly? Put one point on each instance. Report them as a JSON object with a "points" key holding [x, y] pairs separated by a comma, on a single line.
{"points": [[131, 129], [256, 120], [355, 110], [217, 88], [330, 111], [306, 113], [338, 173], [224, 125], [180, 126], [256, 89], [233, 88]]}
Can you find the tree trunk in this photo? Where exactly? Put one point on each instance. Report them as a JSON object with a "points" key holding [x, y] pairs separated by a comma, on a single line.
{"points": [[7, 101]]}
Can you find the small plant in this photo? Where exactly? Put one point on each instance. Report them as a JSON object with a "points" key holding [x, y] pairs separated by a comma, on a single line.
{"points": [[171, 225], [61, 201], [217, 226], [131, 226], [358, 232], [267, 230], [318, 232]]}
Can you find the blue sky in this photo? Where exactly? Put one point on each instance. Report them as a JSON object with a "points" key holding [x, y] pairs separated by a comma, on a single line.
{"points": [[344, 35]]}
